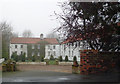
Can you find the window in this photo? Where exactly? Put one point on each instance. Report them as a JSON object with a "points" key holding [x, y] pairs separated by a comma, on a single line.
{"points": [[38, 53], [54, 53], [33, 47], [21, 52], [32, 53], [48, 46], [15, 46], [48, 53], [21, 46], [54, 47], [38, 46], [16, 52]]}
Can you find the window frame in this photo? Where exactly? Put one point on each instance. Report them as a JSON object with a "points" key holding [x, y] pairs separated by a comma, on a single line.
{"points": [[38, 46], [16, 46], [54, 46], [21, 46], [33, 46]]}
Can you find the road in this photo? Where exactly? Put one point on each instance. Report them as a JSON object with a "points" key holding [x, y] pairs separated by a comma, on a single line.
{"points": [[48, 76]]}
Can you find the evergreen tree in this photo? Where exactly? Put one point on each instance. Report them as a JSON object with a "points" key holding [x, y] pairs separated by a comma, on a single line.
{"points": [[23, 57], [74, 58], [51, 57], [66, 58], [34, 58], [42, 59], [15, 56], [60, 59]]}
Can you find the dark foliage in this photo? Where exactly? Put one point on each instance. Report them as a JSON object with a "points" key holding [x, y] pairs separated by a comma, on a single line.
{"points": [[74, 58], [60, 59], [51, 57], [66, 58], [94, 22]]}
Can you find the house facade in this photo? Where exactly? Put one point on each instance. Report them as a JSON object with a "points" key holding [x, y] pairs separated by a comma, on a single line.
{"points": [[39, 47], [46, 47], [72, 50]]}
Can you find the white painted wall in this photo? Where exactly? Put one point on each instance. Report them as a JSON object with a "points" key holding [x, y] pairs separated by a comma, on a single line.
{"points": [[71, 51], [60, 50], [49, 50], [18, 49]]}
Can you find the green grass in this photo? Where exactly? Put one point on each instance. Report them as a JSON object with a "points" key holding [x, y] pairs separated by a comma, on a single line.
{"points": [[52, 62]]}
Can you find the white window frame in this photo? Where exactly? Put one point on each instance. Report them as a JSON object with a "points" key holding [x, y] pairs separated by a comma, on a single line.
{"points": [[54, 46], [16, 46], [48, 53], [38, 54], [54, 53], [38, 46], [21, 46], [48, 46], [33, 46]]}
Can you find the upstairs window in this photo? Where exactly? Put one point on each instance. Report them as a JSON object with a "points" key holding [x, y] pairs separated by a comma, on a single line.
{"points": [[15, 46], [21, 46], [54, 53], [48, 46], [54, 47]]}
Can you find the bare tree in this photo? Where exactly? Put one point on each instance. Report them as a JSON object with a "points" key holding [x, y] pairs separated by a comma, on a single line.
{"points": [[7, 34], [27, 33]]}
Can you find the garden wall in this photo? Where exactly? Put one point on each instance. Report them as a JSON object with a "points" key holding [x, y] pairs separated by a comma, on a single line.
{"points": [[40, 63], [93, 61], [65, 63]]}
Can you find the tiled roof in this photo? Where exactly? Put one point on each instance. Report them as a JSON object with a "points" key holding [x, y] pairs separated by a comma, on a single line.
{"points": [[71, 39], [22, 40]]}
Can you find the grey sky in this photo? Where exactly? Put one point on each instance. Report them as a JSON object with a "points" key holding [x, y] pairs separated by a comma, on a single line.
{"points": [[30, 14]]}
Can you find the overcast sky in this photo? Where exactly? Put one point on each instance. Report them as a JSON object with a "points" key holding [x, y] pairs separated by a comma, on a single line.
{"points": [[34, 15]]}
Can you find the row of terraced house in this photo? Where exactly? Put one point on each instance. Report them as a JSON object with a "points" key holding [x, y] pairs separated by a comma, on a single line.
{"points": [[45, 47]]}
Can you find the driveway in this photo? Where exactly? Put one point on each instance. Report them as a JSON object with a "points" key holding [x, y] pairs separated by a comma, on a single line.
{"points": [[49, 76]]}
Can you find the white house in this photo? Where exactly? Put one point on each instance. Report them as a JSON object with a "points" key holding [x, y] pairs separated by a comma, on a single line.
{"points": [[52, 49], [33, 46], [72, 50]]}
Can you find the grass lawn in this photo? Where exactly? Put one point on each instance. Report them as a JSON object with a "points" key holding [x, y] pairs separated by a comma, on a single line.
{"points": [[52, 62]]}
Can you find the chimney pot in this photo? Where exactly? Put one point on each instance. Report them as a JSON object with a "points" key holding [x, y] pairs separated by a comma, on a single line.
{"points": [[41, 36]]}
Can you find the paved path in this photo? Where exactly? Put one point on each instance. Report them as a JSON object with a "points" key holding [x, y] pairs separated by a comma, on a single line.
{"points": [[48, 76]]}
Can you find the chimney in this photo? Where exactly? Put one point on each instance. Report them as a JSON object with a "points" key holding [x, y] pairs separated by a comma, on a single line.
{"points": [[41, 36]]}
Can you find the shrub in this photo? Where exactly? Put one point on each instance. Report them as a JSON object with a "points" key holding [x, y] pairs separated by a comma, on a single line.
{"points": [[33, 58], [60, 58], [74, 58], [42, 59], [51, 57], [14, 56], [9, 65], [23, 57], [66, 58]]}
